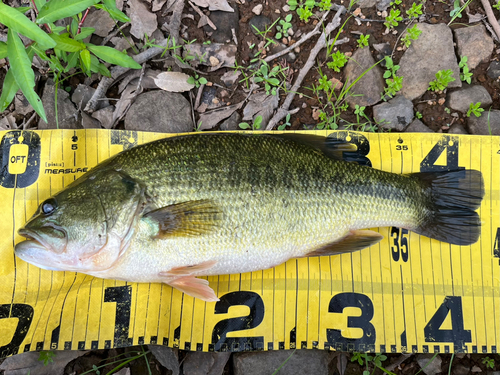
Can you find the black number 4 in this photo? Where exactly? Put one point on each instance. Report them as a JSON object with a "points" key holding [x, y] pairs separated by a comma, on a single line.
{"points": [[400, 244]]}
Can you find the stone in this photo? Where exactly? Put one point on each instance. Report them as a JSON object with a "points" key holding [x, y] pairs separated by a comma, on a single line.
{"points": [[257, 9], [89, 122], [105, 116], [395, 114], [278, 47], [460, 369], [461, 99], [475, 43], [366, 3], [224, 21], [432, 366], [383, 4], [487, 124], [160, 111], [230, 77], [232, 122], [418, 126], [100, 21], [458, 129], [82, 95], [368, 90], [201, 363], [67, 112], [259, 22], [167, 357], [494, 70], [431, 52], [301, 362]]}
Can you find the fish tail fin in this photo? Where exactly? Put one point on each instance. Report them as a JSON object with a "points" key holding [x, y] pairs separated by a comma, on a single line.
{"points": [[454, 198]]}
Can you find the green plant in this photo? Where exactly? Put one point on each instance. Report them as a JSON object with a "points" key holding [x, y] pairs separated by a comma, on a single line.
{"points": [[292, 4], [62, 48], [325, 5], [395, 2], [304, 13], [286, 123], [392, 19], [411, 34], [122, 362], [457, 10], [197, 80], [497, 5], [489, 362], [393, 82], [443, 78], [363, 41], [465, 75], [475, 109], [418, 115], [46, 357], [366, 359], [338, 61], [414, 11], [257, 123], [283, 27], [359, 111], [269, 77]]}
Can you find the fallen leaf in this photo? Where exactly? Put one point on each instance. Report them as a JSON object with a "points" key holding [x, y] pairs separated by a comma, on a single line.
{"points": [[260, 104], [125, 101], [142, 20], [173, 82], [212, 118], [28, 363], [158, 4], [214, 5], [224, 53], [8, 122]]}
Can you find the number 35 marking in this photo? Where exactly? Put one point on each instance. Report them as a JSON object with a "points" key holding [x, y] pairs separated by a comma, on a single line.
{"points": [[399, 247]]}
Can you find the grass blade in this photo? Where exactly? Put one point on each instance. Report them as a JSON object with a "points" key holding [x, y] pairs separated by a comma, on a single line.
{"points": [[113, 56], [20, 65], [19, 22], [9, 89], [57, 9]]}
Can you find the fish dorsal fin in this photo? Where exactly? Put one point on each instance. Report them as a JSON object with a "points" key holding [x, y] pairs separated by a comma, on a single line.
{"points": [[330, 147], [191, 218], [355, 240]]}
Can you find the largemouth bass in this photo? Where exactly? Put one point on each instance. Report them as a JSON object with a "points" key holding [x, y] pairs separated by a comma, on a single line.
{"points": [[208, 204]]}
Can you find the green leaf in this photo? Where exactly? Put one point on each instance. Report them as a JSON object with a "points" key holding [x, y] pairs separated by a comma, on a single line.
{"points": [[67, 44], [278, 36], [203, 81], [114, 12], [274, 81], [20, 65], [9, 89], [288, 18], [57, 9], [23, 9], [191, 80], [113, 56], [3, 50], [244, 125], [85, 59], [72, 60], [84, 32], [40, 3], [103, 70], [20, 23]]}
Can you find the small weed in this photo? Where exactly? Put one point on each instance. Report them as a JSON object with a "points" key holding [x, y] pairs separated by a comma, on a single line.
{"points": [[392, 20], [46, 357], [394, 83], [292, 4], [286, 123], [489, 362], [396, 2], [414, 11], [197, 80], [269, 77], [411, 34], [366, 359], [304, 13], [363, 41], [443, 78], [359, 111], [497, 5], [465, 75], [476, 110], [257, 123], [283, 27], [418, 115], [325, 5], [338, 61]]}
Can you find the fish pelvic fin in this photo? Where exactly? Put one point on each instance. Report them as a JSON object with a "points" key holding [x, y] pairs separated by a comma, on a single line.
{"points": [[194, 287], [454, 197], [353, 241], [189, 270], [191, 218]]}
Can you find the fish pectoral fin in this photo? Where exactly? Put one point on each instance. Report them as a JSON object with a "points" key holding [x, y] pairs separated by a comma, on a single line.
{"points": [[188, 270], [191, 218], [197, 288], [355, 240]]}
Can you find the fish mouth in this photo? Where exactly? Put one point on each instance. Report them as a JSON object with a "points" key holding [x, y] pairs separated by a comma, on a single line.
{"points": [[33, 239], [30, 249]]}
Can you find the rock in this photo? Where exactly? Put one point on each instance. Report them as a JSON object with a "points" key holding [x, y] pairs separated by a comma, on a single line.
{"points": [[105, 116], [278, 47], [67, 112], [8, 122], [431, 52], [461, 99], [230, 77], [259, 22], [418, 126], [395, 114], [460, 369], [215, 55], [383, 4], [494, 70], [82, 95], [370, 86], [366, 3], [383, 48], [160, 111], [224, 21], [201, 363], [100, 21], [475, 43], [457, 129], [143, 21], [23, 107], [89, 122], [167, 357], [481, 125], [301, 362], [257, 9], [432, 368], [231, 123]]}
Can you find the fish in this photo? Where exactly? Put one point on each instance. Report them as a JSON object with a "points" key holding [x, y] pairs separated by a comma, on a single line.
{"points": [[177, 208]]}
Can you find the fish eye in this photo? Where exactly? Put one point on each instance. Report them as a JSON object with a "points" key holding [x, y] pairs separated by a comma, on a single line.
{"points": [[49, 206]]}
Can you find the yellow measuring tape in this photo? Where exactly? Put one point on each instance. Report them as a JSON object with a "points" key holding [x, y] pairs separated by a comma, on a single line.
{"points": [[407, 293]]}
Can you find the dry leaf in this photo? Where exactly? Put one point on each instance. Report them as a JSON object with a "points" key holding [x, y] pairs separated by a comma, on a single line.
{"points": [[212, 118], [28, 363], [224, 53], [173, 82], [214, 5], [143, 21], [125, 101], [158, 4], [260, 104]]}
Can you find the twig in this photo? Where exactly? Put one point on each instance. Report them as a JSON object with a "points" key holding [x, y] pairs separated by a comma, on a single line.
{"points": [[202, 15], [80, 24], [198, 96], [491, 17], [117, 71], [488, 27], [320, 44], [235, 39]]}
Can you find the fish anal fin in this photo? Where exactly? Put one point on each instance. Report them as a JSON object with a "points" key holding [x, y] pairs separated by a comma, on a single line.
{"points": [[194, 287], [354, 240], [191, 218], [189, 270]]}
